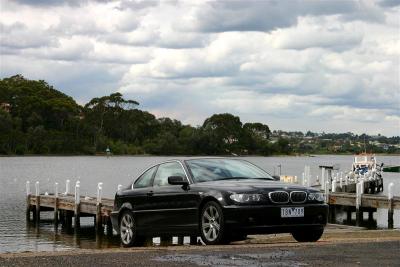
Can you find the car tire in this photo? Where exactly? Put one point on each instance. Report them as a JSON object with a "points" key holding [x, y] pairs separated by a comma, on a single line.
{"points": [[212, 228], [127, 230], [308, 234]]}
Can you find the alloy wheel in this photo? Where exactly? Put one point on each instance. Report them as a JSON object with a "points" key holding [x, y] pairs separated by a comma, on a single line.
{"points": [[211, 223], [127, 229]]}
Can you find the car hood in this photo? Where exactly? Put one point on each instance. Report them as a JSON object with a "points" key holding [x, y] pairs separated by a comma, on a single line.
{"points": [[251, 185]]}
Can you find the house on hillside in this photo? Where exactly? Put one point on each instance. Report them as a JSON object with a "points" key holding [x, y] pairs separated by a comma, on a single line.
{"points": [[6, 107]]}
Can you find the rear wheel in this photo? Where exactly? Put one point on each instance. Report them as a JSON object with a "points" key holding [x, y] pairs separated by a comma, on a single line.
{"points": [[128, 233], [312, 234], [212, 224]]}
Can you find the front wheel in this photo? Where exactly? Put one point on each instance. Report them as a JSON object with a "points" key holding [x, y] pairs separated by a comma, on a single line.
{"points": [[128, 233], [308, 235], [212, 224]]}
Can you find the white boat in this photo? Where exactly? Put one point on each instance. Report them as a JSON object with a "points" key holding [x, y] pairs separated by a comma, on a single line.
{"points": [[365, 167]]}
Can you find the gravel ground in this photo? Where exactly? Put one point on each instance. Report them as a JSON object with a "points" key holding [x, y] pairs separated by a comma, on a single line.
{"points": [[366, 252]]}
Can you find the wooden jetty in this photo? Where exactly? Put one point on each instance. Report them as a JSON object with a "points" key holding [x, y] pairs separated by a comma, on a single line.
{"points": [[68, 207]]}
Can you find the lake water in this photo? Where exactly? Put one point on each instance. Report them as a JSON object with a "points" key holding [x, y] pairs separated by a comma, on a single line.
{"points": [[17, 235]]}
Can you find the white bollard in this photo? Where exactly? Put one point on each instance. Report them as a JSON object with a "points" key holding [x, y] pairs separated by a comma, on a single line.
{"points": [[362, 186], [295, 179], [77, 193], [37, 191], [359, 193], [341, 181], [327, 192], [323, 177], [67, 187], [390, 191], [99, 191], [119, 187], [334, 185], [28, 188], [56, 190]]}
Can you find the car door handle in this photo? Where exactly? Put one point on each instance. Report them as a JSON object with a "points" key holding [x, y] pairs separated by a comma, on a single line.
{"points": [[150, 193]]}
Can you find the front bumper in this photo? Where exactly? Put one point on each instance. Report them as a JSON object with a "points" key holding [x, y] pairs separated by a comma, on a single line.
{"points": [[267, 218]]}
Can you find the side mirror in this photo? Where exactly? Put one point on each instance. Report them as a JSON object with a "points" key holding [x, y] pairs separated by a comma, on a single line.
{"points": [[177, 180], [276, 177]]}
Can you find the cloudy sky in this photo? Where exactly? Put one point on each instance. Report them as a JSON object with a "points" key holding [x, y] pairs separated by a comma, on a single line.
{"points": [[328, 66]]}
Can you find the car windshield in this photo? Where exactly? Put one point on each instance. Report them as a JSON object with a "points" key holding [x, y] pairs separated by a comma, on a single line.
{"points": [[204, 170]]}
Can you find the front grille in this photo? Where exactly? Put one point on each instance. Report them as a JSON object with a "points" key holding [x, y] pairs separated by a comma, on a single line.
{"points": [[281, 197], [298, 196]]}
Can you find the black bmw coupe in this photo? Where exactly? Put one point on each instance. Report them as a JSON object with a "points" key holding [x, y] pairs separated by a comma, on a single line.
{"points": [[218, 199]]}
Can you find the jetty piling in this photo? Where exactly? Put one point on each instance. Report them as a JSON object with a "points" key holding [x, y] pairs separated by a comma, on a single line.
{"points": [[37, 208], [56, 204], [390, 206], [66, 187], [77, 206], [98, 219], [359, 214]]}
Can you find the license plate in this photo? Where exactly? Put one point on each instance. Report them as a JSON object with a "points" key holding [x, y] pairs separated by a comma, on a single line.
{"points": [[292, 212]]}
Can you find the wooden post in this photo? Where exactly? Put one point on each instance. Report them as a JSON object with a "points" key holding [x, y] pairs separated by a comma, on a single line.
{"points": [[61, 216], [99, 222], [341, 182], [56, 204], [359, 214], [329, 176], [28, 201], [66, 187], [370, 215], [37, 209], [109, 227], [68, 219], [327, 192], [180, 240], [77, 206], [390, 206], [332, 213], [333, 185], [348, 215]]}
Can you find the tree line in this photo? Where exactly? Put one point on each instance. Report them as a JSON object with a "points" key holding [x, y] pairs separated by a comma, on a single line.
{"points": [[35, 118], [43, 120]]}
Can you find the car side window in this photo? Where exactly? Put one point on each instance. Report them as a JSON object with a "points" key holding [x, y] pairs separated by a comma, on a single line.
{"points": [[145, 179], [166, 170]]}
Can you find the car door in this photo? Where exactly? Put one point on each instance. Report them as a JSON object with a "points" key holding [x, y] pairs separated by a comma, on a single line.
{"points": [[175, 207], [140, 198]]}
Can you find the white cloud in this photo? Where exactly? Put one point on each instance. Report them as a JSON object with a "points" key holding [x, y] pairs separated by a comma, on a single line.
{"points": [[290, 64]]}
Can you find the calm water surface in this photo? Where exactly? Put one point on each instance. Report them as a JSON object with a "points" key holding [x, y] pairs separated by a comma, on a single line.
{"points": [[17, 235]]}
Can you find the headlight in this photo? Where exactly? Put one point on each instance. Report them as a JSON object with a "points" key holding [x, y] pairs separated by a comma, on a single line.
{"points": [[244, 198], [316, 196]]}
